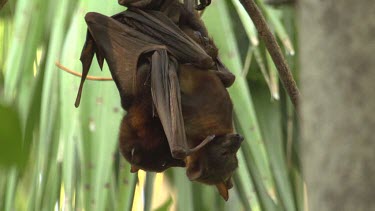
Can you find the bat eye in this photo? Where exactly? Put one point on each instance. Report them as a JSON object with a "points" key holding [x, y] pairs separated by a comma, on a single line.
{"points": [[197, 33]]}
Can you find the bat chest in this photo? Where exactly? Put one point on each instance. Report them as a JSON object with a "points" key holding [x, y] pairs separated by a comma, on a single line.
{"points": [[146, 127], [206, 106]]}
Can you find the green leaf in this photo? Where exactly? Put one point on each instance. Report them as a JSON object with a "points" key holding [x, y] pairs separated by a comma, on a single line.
{"points": [[184, 190], [166, 206], [270, 120], [149, 185], [12, 150]]}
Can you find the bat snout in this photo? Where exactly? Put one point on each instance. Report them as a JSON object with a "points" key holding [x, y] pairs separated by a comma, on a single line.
{"points": [[238, 138], [235, 142]]}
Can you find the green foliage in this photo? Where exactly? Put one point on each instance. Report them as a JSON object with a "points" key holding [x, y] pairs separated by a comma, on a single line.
{"points": [[12, 151], [54, 156]]}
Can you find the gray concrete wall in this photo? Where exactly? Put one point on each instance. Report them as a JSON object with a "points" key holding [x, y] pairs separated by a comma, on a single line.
{"points": [[337, 46]]}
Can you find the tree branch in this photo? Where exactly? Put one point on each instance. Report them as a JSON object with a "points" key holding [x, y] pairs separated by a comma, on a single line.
{"points": [[274, 50], [92, 78]]}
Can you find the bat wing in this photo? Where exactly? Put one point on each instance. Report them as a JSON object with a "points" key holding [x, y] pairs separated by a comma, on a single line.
{"points": [[121, 46], [124, 37], [162, 28], [119, 41], [186, 50], [166, 96]]}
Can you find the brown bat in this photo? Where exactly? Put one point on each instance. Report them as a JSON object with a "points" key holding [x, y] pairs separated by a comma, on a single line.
{"points": [[155, 4], [172, 85], [207, 109]]}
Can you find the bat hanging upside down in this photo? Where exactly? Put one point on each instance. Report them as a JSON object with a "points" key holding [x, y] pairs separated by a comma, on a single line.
{"points": [[172, 85]]}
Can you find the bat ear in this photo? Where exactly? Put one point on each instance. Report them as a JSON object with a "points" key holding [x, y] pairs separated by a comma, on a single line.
{"points": [[223, 190], [134, 169], [194, 171], [229, 183]]}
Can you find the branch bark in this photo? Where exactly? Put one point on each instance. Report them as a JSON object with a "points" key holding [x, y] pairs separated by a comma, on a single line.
{"points": [[274, 50]]}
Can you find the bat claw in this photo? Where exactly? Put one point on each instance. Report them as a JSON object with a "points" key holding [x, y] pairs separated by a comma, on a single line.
{"points": [[203, 4], [134, 169]]}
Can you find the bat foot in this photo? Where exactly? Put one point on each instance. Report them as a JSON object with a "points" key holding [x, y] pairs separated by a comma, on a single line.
{"points": [[203, 4]]}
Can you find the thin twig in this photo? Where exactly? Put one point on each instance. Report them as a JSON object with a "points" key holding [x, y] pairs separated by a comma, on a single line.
{"points": [[274, 50], [246, 65], [91, 78]]}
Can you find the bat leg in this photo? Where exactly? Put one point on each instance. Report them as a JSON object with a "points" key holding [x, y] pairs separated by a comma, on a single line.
{"points": [[207, 140], [166, 96], [203, 4]]}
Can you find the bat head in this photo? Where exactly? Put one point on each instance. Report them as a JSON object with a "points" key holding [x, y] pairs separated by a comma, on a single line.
{"points": [[215, 163]]}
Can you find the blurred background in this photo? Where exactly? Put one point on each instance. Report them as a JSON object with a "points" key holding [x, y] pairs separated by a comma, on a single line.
{"points": [[54, 156]]}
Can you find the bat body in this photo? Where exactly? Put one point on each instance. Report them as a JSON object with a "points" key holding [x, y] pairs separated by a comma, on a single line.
{"points": [[142, 139], [207, 109], [172, 84]]}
